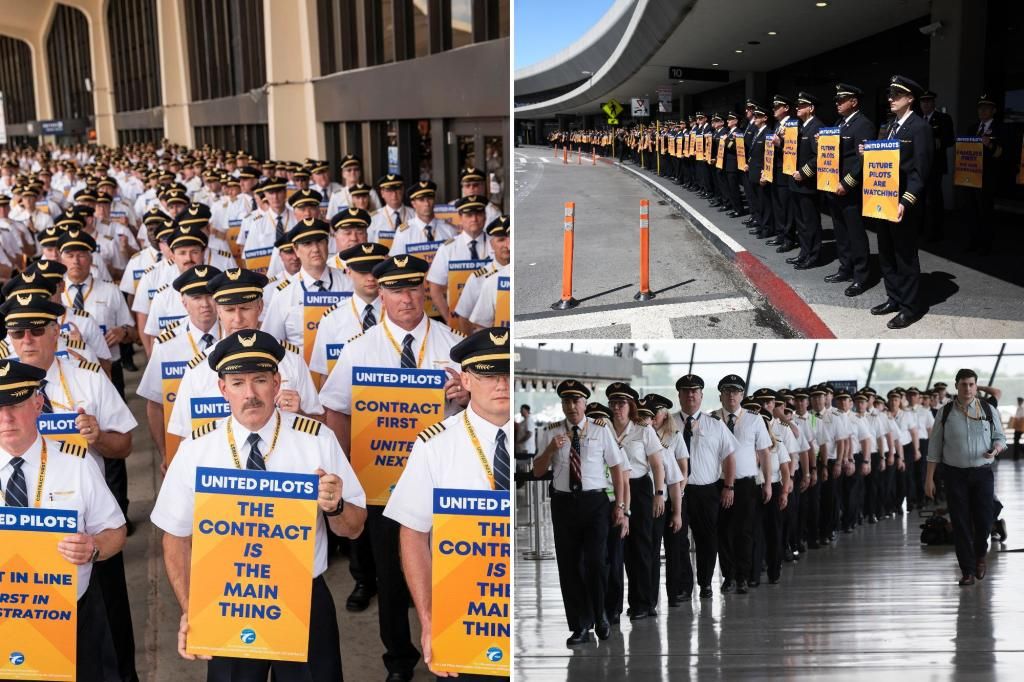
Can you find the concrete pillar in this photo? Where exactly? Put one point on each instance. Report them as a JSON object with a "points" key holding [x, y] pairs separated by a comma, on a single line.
{"points": [[175, 93], [41, 76], [756, 85], [954, 71], [102, 74], [292, 45]]}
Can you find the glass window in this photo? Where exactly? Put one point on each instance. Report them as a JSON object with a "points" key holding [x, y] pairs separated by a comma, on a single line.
{"points": [[462, 22], [785, 350], [903, 373], [467, 151], [778, 374], [422, 147], [838, 350], [391, 147], [970, 347], [947, 368], [722, 350], [908, 348], [420, 28], [494, 149], [840, 370], [1010, 379]]}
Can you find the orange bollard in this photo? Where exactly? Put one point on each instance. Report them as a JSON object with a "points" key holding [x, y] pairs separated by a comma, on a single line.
{"points": [[579, 155], [565, 154], [645, 253], [568, 231], [593, 157]]}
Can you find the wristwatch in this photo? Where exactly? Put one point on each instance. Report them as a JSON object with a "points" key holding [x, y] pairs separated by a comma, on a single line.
{"points": [[95, 554], [659, 492], [337, 510], [627, 513], [621, 505], [728, 487]]}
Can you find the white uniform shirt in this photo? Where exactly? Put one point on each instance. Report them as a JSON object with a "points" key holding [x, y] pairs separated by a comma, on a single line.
{"points": [[638, 442], [416, 233], [384, 225], [340, 200], [906, 421], [136, 267], [111, 233], [160, 273], [751, 435], [676, 447], [104, 303], [457, 249], [784, 450], [200, 381], [295, 452], [181, 347], [337, 327], [710, 444], [262, 232], [925, 421], [598, 450], [92, 336], [374, 349], [861, 431], [483, 311], [71, 482], [285, 317], [165, 308], [446, 460]]}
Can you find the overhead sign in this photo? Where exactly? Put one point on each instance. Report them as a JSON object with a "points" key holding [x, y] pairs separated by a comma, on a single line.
{"points": [[678, 73], [51, 127], [641, 107], [612, 109]]}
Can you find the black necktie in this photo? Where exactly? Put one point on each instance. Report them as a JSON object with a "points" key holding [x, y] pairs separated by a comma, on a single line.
{"points": [[279, 232], [472, 251], [500, 462], [398, 218], [207, 341], [47, 405], [255, 461], [17, 494], [688, 432], [732, 423], [369, 319], [430, 233], [575, 463], [319, 285], [408, 359], [981, 130], [893, 130], [79, 303]]}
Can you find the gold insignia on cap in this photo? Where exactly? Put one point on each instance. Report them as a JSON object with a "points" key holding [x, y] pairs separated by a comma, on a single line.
{"points": [[201, 271], [43, 265], [423, 183], [390, 176], [367, 248], [308, 222], [353, 211], [498, 339], [193, 209], [401, 261], [18, 394], [24, 300], [247, 342], [73, 234], [570, 382], [233, 274], [185, 228], [28, 277], [5, 369]]}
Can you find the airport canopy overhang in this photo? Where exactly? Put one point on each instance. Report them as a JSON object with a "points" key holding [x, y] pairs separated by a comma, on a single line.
{"points": [[629, 51]]}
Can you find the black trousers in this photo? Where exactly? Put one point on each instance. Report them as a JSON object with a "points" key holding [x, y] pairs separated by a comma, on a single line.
{"points": [[615, 583], [893, 480], [109, 578], [360, 562], [400, 655], [766, 206], [323, 662], [897, 254], [732, 181], [851, 239], [95, 658], [807, 219], [979, 207], [970, 494], [782, 206], [771, 518], [580, 522], [920, 472], [678, 569], [934, 208], [791, 515], [736, 531], [757, 546], [640, 543], [810, 510], [873, 485], [829, 504], [702, 506], [853, 486]]}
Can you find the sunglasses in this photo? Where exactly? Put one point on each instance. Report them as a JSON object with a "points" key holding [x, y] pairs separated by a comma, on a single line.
{"points": [[20, 333]]}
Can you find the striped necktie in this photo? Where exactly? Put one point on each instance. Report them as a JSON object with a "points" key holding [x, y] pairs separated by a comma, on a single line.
{"points": [[501, 463], [369, 319], [17, 494], [79, 303], [408, 359], [255, 461], [47, 405]]}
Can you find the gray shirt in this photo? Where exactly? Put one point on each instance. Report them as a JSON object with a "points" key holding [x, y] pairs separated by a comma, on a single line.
{"points": [[962, 442]]}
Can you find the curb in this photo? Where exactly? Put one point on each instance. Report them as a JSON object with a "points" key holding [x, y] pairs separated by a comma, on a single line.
{"points": [[793, 308]]}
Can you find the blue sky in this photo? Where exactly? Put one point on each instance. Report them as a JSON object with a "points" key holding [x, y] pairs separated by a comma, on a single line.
{"points": [[544, 27]]}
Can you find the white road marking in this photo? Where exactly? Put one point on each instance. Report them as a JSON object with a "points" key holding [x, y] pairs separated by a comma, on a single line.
{"points": [[645, 322]]}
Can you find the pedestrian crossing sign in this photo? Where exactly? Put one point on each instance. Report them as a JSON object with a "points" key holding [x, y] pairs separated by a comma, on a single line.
{"points": [[612, 108]]}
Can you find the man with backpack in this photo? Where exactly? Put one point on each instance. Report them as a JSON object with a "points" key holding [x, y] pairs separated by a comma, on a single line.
{"points": [[966, 439]]}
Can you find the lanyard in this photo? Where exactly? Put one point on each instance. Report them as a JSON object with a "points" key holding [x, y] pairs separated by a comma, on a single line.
{"points": [[398, 349], [195, 348], [64, 387], [330, 281], [85, 296], [391, 223], [479, 450], [39, 481], [273, 443]]}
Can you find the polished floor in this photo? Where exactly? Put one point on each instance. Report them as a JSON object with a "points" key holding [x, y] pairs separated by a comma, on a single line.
{"points": [[876, 605]]}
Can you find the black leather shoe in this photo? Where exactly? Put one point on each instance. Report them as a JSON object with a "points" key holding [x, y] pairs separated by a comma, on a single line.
{"points": [[786, 247], [966, 581], [901, 321], [855, 289], [603, 630], [755, 231], [728, 586], [794, 260], [614, 619], [741, 213], [359, 600], [838, 277], [773, 581], [885, 308], [722, 208], [673, 602], [764, 235], [749, 222], [639, 615], [399, 677], [741, 587], [754, 584], [578, 637], [734, 214], [775, 241], [706, 593], [806, 265]]}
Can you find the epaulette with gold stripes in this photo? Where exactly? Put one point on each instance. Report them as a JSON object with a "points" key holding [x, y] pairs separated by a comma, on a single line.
{"points": [[199, 357], [165, 336], [354, 337], [664, 444], [330, 310], [492, 273], [283, 284], [403, 227], [289, 346], [458, 333], [600, 421], [431, 431], [205, 429], [480, 271], [72, 449], [89, 366], [162, 288], [226, 254], [80, 312], [4, 349], [449, 241], [173, 325], [76, 344], [150, 268], [307, 425]]}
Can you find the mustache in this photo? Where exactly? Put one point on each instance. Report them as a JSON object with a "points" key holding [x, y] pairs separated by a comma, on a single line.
{"points": [[252, 403]]}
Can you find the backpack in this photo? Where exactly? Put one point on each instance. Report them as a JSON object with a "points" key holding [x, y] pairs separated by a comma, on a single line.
{"points": [[948, 407], [936, 530]]}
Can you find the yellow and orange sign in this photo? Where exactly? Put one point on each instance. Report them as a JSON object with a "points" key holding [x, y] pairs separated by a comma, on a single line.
{"points": [[458, 274], [720, 160], [253, 536], [60, 426], [790, 140], [768, 172], [502, 313], [389, 409], [741, 153], [258, 259], [170, 379], [969, 162], [426, 251], [828, 159], [470, 624], [38, 593], [881, 191]]}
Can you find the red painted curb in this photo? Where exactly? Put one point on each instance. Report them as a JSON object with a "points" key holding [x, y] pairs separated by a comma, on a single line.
{"points": [[796, 311]]}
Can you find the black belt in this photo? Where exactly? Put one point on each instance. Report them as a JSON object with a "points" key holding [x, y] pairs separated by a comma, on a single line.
{"points": [[560, 493]]}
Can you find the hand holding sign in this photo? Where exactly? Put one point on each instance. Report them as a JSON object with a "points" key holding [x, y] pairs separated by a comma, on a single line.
{"points": [[73, 331], [288, 398], [87, 426], [453, 389], [428, 654], [183, 638], [329, 492], [77, 548]]}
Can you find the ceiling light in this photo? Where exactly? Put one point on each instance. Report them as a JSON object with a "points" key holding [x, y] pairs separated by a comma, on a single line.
{"points": [[739, 51], [715, 64], [821, 4], [773, 33]]}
